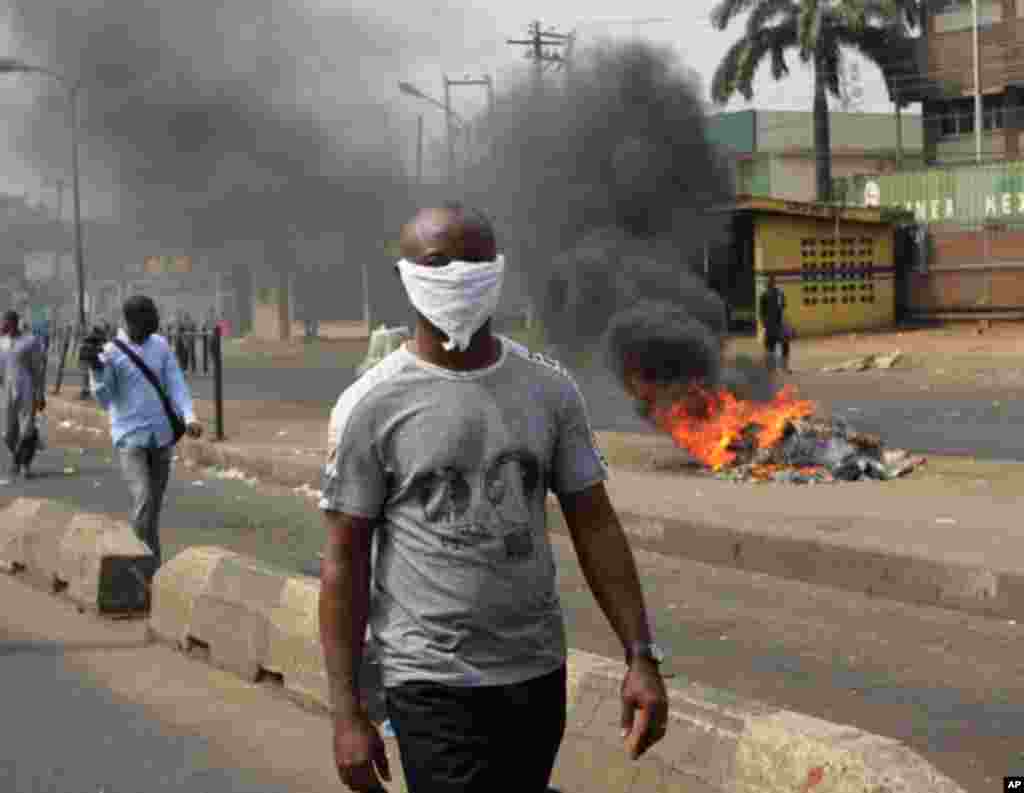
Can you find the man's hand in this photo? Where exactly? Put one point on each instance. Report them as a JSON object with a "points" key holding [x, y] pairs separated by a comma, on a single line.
{"points": [[359, 754], [40, 404], [194, 429], [644, 707]]}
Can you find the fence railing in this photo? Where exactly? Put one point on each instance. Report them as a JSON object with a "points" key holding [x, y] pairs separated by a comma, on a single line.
{"points": [[199, 352]]}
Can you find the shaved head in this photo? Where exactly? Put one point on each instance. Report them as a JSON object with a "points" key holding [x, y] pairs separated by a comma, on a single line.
{"points": [[437, 235]]}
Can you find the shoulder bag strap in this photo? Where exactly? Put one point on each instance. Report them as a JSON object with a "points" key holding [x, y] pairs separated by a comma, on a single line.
{"points": [[148, 373]]}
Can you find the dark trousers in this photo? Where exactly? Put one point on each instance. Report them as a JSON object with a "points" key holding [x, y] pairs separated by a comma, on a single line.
{"points": [[20, 435], [773, 340], [479, 740]]}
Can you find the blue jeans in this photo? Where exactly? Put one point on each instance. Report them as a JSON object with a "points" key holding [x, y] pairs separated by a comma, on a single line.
{"points": [[147, 470]]}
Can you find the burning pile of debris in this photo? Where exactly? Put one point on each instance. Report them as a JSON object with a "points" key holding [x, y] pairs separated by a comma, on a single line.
{"points": [[780, 440], [731, 418]]}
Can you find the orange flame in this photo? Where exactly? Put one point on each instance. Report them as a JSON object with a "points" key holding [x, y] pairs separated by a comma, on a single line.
{"points": [[709, 430]]}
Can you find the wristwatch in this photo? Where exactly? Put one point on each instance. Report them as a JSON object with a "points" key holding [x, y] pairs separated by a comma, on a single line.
{"points": [[649, 650]]}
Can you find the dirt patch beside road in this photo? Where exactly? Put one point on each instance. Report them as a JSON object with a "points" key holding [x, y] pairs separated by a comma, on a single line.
{"points": [[950, 358]]}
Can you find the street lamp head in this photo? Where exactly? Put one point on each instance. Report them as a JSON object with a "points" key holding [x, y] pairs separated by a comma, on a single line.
{"points": [[410, 89], [12, 65], [8, 65]]}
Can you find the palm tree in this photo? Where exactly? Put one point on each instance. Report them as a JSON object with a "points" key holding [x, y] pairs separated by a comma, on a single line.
{"points": [[819, 30]]}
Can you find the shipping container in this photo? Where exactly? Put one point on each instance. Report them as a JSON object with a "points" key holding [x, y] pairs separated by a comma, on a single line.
{"points": [[964, 195]]}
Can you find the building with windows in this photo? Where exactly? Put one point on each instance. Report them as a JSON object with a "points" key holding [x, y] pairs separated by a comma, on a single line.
{"points": [[945, 81], [772, 152], [969, 260]]}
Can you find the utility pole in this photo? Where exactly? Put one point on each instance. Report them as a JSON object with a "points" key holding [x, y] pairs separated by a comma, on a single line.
{"points": [[542, 50], [488, 84], [419, 152], [449, 131], [59, 231]]}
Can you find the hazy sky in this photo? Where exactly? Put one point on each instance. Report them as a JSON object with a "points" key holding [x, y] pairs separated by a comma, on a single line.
{"points": [[469, 39]]}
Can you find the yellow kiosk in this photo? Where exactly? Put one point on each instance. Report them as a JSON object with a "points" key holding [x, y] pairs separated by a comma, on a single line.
{"points": [[835, 265]]}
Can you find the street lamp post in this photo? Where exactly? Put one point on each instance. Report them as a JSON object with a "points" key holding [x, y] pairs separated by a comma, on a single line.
{"points": [[450, 116], [11, 65], [977, 84]]}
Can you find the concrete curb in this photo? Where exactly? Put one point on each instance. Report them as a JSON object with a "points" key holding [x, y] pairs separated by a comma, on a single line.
{"points": [[948, 584], [716, 742], [94, 560], [284, 471], [908, 578]]}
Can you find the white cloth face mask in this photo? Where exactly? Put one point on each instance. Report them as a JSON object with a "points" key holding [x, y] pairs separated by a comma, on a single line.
{"points": [[457, 298]]}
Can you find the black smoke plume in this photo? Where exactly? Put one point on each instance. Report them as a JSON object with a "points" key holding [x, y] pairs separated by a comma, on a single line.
{"points": [[229, 121], [605, 188]]}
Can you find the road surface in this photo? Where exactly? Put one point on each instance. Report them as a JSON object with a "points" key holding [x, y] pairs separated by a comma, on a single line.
{"points": [[949, 684], [64, 733], [970, 425], [963, 424]]}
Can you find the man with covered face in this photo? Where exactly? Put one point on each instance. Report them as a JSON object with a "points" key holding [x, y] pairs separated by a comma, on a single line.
{"points": [[23, 371], [440, 458], [140, 428]]}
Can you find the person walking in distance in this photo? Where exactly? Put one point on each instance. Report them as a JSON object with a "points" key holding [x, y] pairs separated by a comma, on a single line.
{"points": [[23, 396], [440, 459], [773, 318], [137, 379]]}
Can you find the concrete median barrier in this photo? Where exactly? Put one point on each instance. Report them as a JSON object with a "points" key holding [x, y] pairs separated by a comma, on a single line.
{"points": [[719, 742], [255, 618], [232, 614], [103, 566], [176, 587], [293, 650], [97, 561], [26, 525]]}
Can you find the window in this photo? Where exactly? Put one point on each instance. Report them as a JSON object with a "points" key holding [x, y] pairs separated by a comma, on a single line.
{"points": [[947, 120], [992, 112], [956, 117], [955, 15]]}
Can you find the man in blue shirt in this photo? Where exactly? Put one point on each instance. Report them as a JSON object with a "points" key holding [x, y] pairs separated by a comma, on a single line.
{"points": [[139, 425]]}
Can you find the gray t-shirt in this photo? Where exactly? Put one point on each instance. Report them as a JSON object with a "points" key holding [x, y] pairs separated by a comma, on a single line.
{"points": [[457, 466]]}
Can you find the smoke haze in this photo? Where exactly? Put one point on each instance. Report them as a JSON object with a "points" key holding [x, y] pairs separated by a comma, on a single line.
{"points": [[602, 191], [603, 184], [238, 121]]}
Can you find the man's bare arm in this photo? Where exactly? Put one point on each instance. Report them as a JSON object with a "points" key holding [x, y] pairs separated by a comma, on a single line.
{"points": [[344, 606], [610, 570], [607, 562]]}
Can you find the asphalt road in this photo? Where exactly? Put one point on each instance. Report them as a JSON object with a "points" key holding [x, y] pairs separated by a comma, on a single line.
{"points": [[949, 684], [65, 734], [963, 425], [971, 426]]}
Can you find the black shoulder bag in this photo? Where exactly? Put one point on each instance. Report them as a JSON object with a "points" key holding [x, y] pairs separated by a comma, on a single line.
{"points": [[177, 422]]}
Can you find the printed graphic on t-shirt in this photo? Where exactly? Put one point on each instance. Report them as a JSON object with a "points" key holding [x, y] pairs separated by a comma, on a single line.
{"points": [[469, 508]]}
